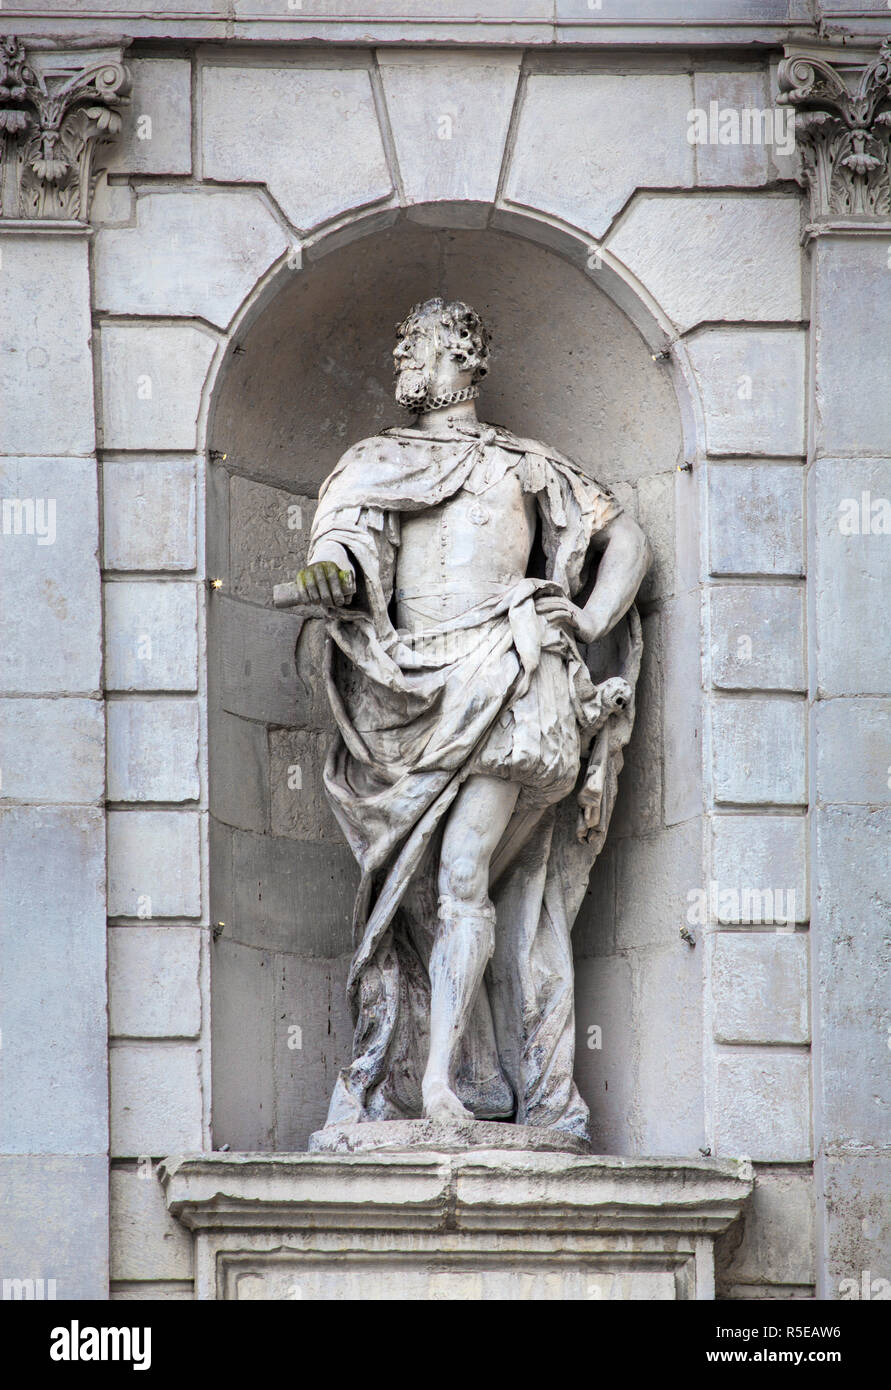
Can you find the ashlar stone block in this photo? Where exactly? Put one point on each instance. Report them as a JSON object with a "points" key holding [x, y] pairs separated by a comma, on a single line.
{"points": [[758, 751], [156, 1105], [153, 750], [191, 254], [152, 381], [300, 808], [757, 637], [756, 519], [731, 164], [151, 636], [449, 114], [853, 748], [760, 987], [332, 157], [756, 855], [149, 514], [157, 132], [146, 1243], [752, 385], [154, 865], [153, 982], [762, 1106], [52, 750], [585, 142], [269, 537], [714, 257]]}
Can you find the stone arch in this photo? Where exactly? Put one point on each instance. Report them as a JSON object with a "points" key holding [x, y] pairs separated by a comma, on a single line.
{"points": [[280, 1028]]}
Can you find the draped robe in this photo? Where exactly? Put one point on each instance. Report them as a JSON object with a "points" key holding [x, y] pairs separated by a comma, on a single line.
{"points": [[499, 689]]}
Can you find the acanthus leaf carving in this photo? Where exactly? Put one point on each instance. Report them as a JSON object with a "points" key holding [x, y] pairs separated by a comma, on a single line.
{"points": [[843, 129], [55, 109]]}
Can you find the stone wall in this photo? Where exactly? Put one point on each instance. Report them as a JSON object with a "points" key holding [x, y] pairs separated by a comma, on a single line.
{"points": [[267, 215]]}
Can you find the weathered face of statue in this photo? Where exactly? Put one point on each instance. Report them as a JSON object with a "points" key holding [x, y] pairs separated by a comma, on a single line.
{"points": [[441, 347]]}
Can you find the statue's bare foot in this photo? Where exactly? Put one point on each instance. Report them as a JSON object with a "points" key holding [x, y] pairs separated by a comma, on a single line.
{"points": [[441, 1103]]}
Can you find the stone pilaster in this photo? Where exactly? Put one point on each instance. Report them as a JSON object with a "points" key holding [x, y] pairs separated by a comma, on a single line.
{"points": [[843, 129], [54, 107]]}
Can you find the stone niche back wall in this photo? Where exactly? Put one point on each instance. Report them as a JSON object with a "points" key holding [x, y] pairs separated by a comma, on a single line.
{"points": [[311, 376]]}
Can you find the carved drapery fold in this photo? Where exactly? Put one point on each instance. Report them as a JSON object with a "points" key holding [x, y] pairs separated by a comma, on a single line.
{"points": [[55, 109], [843, 128]]}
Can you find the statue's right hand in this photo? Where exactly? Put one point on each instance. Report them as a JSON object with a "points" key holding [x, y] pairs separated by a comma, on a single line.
{"points": [[325, 583]]}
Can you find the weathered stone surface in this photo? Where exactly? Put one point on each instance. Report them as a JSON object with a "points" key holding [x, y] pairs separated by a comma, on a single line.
{"points": [[153, 750], [774, 1243], [336, 160], [162, 143], [682, 708], [149, 514], [638, 807], [49, 575], [44, 354], [717, 257], [656, 513], [155, 1099], [146, 1242], [858, 1227], [762, 1106], [55, 1222], [760, 987], [52, 871], [756, 854], [244, 988], [151, 636], [52, 750], [300, 808], [154, 989], [850, 548], [594, 933], [269, 537], [757, 637], [449, 115], [293, 896], [258, 676], [606, 1074], [850, 271], [239, 771], [190, 254], [853, 974], [649, 110], [756, 519], [653, 877], [669, 993], [731, 165], [758, 751], [310, 1009], [853, 739], [752, 385], [152, 378], [153, 864], [531, 1200]]}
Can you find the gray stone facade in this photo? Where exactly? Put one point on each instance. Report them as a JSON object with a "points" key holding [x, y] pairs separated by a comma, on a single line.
{"points": [[185, 358]]}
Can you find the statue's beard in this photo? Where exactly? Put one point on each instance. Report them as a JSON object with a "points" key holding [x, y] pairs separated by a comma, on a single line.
{"points": [[411, 387]]}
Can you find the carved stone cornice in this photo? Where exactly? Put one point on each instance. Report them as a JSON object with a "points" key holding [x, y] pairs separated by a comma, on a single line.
{"points": [[55, 108], [842, 100]]}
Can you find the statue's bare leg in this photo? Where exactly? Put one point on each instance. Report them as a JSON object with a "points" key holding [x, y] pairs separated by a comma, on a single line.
{"points": [[465, 932]]}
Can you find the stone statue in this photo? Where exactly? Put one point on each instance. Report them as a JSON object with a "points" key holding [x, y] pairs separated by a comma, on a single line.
{"points": [[469, 580]]}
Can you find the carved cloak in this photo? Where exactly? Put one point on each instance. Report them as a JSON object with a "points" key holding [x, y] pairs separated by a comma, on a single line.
{"points": [[411, 725]]}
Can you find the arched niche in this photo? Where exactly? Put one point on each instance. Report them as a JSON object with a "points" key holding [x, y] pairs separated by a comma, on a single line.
{"points": [[308, 375]]}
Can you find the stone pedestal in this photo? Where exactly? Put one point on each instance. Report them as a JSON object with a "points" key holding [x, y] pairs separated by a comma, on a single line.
{"points": [[481, 1223]]}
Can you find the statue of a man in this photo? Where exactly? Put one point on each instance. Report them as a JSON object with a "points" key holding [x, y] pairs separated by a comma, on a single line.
{"points": [[468, 580]]}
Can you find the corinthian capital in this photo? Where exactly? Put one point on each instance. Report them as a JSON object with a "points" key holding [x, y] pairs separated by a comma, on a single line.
{"points": [[56, 107], [842, 99]]}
